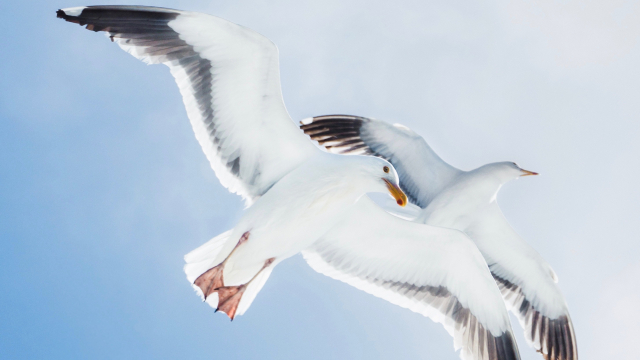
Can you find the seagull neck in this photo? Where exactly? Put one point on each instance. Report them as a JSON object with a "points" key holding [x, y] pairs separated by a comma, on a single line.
{"points": [[471, 194], [484, 183]]}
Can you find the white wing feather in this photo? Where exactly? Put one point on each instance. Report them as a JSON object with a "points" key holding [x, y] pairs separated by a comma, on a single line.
{"points": [[433, 271], [528, 284], [229, 79]]}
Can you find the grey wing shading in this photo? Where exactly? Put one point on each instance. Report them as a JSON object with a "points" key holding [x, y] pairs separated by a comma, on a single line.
{"points": [[229, 79], [422, 172], [528, 285], [554, 337]]}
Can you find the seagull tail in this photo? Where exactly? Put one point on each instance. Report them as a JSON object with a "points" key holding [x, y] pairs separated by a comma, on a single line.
{"points": [[200, 260], [253, 289]]}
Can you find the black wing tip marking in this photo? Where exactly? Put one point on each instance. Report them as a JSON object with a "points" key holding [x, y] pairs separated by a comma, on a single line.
{"points": [[506, 347], [338, 133], [147, 28], [560, 342], [100, 13], [325, 120], [555, 338]]}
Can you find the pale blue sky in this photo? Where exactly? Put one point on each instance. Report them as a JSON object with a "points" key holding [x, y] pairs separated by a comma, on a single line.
{"points": [[103, 187]]}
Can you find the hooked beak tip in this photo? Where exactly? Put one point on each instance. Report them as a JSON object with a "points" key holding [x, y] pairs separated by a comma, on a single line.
{"points": [[397, 193]]}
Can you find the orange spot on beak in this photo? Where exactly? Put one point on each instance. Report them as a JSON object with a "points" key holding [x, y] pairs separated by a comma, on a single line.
{"points": [[396, 192]]}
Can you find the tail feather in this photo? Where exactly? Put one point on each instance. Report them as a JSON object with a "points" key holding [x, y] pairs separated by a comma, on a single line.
{"points": [[200, 260], [253, 289]]}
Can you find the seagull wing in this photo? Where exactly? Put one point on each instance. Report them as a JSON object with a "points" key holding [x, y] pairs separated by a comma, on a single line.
{"points": [[433, 271], [422, 172], [528, 285], [229, 79]]}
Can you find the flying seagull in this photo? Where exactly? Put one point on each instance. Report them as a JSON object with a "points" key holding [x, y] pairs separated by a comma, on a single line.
{"points": [[229, 79], [466, 201]]}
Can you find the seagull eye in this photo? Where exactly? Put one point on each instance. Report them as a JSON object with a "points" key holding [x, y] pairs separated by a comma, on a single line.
{"points": [[385, 169]]}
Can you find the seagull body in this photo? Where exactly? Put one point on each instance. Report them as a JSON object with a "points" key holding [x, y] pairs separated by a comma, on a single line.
{"points": [[466, 201], [296, 211], [229, 79]]}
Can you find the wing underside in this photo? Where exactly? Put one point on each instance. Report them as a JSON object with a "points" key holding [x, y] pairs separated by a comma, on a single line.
{"points": [[229, 79], [433, 271]]}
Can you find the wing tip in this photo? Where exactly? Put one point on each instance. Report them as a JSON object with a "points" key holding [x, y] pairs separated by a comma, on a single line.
{"points": [[507, 346], [93, 12], [553, 337], [69, 13]]}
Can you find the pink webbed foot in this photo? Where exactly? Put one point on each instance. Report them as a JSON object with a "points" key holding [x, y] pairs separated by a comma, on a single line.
{"points": [[229, 298], [210, 281]]}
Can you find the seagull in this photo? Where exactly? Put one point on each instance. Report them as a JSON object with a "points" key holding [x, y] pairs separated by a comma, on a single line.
{"points": [[466, 201], [229, 79]]}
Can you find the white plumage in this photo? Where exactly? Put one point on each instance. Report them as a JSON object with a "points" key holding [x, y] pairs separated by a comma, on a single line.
{"points": [[436, 272], [302, 198], [229, 79]]}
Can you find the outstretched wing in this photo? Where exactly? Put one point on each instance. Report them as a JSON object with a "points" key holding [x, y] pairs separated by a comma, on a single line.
{"points": [[229, 79], [422, 172], [433, 271], [528, 285]]}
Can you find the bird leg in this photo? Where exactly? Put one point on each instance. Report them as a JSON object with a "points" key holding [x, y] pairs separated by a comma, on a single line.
{"points": [[229, 296], [212, 279]]}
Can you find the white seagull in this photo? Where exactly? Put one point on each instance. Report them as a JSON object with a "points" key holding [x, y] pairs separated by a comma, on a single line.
{"points": [[466, 201], [302, 198], [229, 79]]}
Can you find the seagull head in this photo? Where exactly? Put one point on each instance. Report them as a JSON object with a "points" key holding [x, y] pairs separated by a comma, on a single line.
{"points": [[377, 175], [507, 170]]}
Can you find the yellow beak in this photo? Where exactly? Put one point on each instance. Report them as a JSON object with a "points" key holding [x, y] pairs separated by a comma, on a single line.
{"points": [[527, 172], [397, 194]]}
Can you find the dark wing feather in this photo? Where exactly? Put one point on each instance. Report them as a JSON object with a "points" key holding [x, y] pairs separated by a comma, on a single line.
{"points": [[554, 338]]}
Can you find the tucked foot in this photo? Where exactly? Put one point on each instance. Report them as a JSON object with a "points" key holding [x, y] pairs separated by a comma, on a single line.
{"points": [[210, 281], [229, 298]]}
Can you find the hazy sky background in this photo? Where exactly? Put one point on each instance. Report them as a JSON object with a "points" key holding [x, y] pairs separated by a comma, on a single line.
{"points": [[103, 187]]}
